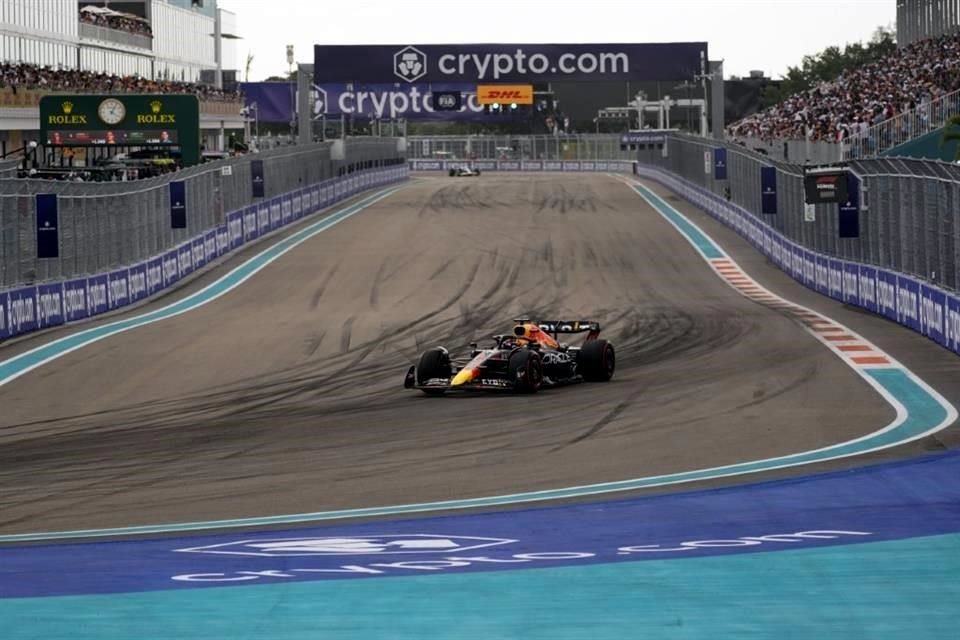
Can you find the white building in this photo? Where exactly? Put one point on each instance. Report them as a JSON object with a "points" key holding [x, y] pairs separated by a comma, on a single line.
{"points": [[174, 40]]}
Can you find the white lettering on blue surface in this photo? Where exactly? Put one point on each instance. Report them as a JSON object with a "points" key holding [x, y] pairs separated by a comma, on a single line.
{"points": [[22, 312], [49, 304], [931, 315], [887, 293], [907, 303], [154, 275], [138, 283], [98, 295]]}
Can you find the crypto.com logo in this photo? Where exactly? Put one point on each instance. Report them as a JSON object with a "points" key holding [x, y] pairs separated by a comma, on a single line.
{"points": [[418, 543], [410, 64]]}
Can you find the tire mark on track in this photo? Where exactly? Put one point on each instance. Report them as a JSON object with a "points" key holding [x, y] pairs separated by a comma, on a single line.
{"points": [[345, 332]]}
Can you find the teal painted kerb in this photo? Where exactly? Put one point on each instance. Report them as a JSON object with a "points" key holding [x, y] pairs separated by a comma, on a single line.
{"points": [[697, 238], [10, 369], [877, 591], [923, 415]]}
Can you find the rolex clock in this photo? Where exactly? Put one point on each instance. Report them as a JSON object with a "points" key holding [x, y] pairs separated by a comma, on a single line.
{"points": [[112, 111]]}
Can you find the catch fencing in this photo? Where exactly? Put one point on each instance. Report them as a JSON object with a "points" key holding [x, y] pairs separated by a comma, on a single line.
{"points": [[519, 147], [909, 216], [105, 225], [902, 266]]}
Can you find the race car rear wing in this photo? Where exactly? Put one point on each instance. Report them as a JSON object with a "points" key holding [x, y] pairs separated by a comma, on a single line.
{"points": [[556, 327]]}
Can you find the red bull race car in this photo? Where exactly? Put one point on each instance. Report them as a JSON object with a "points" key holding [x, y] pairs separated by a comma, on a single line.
{"points": [[523, 361]]}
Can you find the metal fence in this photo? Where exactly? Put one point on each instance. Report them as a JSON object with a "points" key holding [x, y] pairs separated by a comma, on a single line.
{"points": [[909, 209], [519, 147], [104, 225]]}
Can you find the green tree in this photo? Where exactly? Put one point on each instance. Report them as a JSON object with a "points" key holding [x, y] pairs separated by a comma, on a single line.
{"points": [[830, 63]]}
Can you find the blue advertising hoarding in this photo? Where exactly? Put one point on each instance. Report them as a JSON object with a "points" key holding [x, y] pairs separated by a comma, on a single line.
{"points": [[952, 328], [720, 163], [499, 63], [49, 305], [257, 179], [137, 282], [48, 235], [98, 298], [178, 204], [933, 308], [21, 310], [154, 275], [75, 300], [768, 190], [118, 286], [848, 213]]}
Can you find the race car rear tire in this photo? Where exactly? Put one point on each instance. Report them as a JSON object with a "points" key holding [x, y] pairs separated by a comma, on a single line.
{"points": [[525, 371], [596, 360], [433, 363], [453, 173], [476, 173]]}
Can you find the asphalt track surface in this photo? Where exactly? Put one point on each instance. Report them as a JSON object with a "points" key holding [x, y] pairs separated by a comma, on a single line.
{"points": [[285, 395]]}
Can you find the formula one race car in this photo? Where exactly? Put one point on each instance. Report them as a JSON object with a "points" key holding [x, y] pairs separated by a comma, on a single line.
{"points": [[524, 361], [464, 171]]}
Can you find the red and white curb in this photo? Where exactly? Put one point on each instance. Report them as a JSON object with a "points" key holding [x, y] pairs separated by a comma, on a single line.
{"points": [[847, 344]]}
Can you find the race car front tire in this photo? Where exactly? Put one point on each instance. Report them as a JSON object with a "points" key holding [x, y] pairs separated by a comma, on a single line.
{"points": [[433, 363], [525, 371], [596, 360]]}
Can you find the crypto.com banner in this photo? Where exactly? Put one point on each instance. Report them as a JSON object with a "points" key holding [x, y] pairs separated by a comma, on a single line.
{"points": [[275, 101], [486, 63]]}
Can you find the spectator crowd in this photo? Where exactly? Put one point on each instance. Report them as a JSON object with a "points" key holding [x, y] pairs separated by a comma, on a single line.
{"points": [[847, 107], [115, 20], [27, 76]]}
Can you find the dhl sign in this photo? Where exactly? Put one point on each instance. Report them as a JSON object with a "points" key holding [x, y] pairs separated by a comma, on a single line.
{"points": [[505, 93]]}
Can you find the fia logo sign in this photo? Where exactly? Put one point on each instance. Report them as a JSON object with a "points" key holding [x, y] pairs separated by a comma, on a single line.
{"points": [[410, 64]]}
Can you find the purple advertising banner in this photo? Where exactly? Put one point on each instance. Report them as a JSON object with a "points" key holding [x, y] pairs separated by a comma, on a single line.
{"points": [[869, 299], [210, 252], [263, 217], [49, 305], [887, 294], [908, 302], [810, 269], [21, 310], [851, 283], [251, 225], [298, 205], [822, 266], [75, 300], [138, 282], [314, 199], [98, 296], [185, 258], [953, 323], [171, 267], [118, 286], [154, 275], [276, 213], [836, 278], [199, 257], [493, 63], [532, 165], [235, 229], [933, 308], [4, 325], [286, 209], [223, 240]]}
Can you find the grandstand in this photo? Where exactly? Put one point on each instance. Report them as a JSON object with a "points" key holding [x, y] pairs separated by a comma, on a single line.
{"points": [[874, 108], [137, 46]]}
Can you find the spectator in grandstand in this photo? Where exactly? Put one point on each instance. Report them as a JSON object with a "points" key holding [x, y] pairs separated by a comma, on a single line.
{"points": [[118, 21], [25, 76], [846, 108]]}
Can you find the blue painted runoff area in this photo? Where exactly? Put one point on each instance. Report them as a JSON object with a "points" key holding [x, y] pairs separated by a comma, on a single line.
{"points": [[870, 553], [885, 502]]}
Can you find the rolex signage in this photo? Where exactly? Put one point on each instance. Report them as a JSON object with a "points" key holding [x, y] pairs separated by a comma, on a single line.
{"points": [[123, 120]]}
